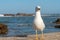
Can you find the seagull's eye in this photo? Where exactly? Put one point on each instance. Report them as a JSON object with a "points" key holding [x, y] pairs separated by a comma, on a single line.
{"points": [[38, 8]]}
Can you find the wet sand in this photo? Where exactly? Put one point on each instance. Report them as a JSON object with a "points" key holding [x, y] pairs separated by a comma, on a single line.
{"points": [[47, 36]]}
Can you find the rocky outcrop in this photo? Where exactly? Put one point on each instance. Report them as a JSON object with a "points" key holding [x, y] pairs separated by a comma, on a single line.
{"points": [[57, 21], [3, 29], [57, 26], [21, 36]]}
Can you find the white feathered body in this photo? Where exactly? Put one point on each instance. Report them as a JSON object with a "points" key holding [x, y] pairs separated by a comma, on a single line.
{"points": [[38, 22]]}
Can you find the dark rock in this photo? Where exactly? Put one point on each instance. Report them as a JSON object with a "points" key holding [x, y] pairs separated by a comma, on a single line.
{"points": [[57, 26], [57, 21], [3, 29], [21, 36]]}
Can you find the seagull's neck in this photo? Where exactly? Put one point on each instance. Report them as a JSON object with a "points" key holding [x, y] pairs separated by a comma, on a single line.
{"points": [[38, 14]]}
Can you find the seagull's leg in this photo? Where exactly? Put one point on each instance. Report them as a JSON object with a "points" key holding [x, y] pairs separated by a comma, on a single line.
{"points": [[42, 36], [36, 35]]}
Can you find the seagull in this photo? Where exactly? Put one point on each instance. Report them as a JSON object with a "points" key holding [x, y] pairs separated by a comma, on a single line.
{"points": [[38, 22]]}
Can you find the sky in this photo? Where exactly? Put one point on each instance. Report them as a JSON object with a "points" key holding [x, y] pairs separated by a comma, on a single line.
{"points": [[28, 6]]}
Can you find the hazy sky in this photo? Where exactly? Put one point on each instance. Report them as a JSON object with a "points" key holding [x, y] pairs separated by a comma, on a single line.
{"points": [[28, 6]]}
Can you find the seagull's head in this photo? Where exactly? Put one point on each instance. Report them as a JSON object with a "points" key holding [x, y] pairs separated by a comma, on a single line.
{"points": [[37, 8]]}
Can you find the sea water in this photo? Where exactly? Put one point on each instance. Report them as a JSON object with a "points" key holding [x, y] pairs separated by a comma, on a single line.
{"points": [[23, 25]]}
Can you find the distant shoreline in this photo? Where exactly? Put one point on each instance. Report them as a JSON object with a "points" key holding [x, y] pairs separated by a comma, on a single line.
{"points": [[19, 15], [14, 15]]}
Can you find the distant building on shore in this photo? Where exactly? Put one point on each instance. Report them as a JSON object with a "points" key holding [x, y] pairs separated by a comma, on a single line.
{"points": [[1, 15], [24, 14], [9, 14]]}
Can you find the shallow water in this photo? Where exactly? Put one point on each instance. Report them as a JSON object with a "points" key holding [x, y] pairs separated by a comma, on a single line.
{"points": [[23, 25]]}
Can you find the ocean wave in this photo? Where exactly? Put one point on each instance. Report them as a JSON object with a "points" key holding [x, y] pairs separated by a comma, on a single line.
{"points": [[24, 24]]}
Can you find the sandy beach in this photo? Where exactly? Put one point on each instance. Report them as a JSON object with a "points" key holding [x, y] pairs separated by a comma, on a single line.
{"points": [[47, 36]]}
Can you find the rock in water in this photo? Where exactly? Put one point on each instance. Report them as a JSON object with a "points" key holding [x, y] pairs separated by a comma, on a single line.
{"points": [[57, 21], [57, 26], [3, 29]]}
